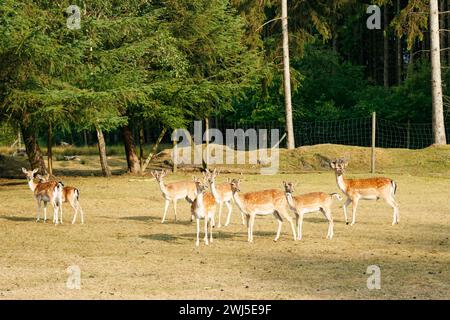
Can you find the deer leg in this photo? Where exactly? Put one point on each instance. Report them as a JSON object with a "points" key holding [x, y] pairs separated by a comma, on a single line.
{"points": [[394, 205], [211, 223], [300, 226], [55, 213], [280, 223], [220, 214], [45, 212], [327, 213], [166, 206], [206, 228], [38, 214], [252, 223], [74, 205], [247, 219], [61, 210], [175, 208], [81, 212], [197, 241], [347, 202], [228, 204], [354, 206]]}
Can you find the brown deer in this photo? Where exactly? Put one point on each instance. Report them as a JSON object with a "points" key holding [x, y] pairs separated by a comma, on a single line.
{"points": [[310, 202], [265, 202], [203, 207], [45, 192], [223, 195], [174, 191], [70, 195], [364, 189]]}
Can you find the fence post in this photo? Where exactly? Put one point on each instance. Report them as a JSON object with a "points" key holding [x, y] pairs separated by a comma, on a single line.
{"points": [[374, 127], [408, 134]]}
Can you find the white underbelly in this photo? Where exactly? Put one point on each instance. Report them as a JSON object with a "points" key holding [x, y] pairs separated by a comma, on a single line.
{"points": [[309, 209], [369, 198]]}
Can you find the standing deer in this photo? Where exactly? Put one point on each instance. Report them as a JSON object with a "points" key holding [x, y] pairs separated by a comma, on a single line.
{"points": [[203, 207], [222, 194], [45, 192], [265, 202], [70, 195], [364, 189], [310, 202], [174, 191]]}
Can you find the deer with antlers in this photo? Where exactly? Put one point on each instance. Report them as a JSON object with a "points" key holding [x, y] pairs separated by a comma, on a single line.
{"points": [[70, 195], [203, 207], [310, 202], [364, 189], [265, 202], [45, 192], [174, 191], [222, 194]]}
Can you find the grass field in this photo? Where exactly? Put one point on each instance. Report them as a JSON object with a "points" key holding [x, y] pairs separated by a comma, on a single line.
{"points": [[124, 251]]}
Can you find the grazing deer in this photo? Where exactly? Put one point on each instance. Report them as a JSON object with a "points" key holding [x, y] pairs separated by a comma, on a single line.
{"points": [[364, 189], [310, 202], [70, 195], [174, 191], [45, 192], [265, 202], [203, 207], [223, 194]]}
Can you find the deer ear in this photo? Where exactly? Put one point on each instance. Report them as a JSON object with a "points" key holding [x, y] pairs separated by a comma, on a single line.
{"points": [[333, 164], [24, 170], [35, 170]]}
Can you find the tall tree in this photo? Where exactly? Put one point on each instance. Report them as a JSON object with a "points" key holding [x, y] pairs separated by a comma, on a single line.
{"points": [[287, 77], [436, 82]]}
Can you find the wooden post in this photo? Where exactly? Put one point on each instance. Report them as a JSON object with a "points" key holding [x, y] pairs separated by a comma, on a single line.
{"points": [[374, 127], [175, 154], [408, 134]]}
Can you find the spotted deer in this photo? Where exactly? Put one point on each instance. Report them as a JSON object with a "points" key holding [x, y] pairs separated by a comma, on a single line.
{"points": [[265, 202], [310, 202], [364, 189], [174, 191], [70, 195], [222, 194], [45, 192], [203, 207]]}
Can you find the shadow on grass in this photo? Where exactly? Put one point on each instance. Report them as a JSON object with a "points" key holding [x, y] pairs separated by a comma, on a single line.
{"points": [[19, 219], [13, 183], [141, 218], [160, 237]]}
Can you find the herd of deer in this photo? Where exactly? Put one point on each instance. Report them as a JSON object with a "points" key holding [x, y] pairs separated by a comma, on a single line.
{"points": [[274, 202]]}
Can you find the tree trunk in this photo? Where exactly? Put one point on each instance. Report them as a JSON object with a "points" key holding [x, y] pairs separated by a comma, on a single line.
{"points": [[399, 52], [154, 149], [436, 82], [33, 151], [49, 148], [102, 153], [386, 48], [130, 150], [141, 148], [287, 77]]}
